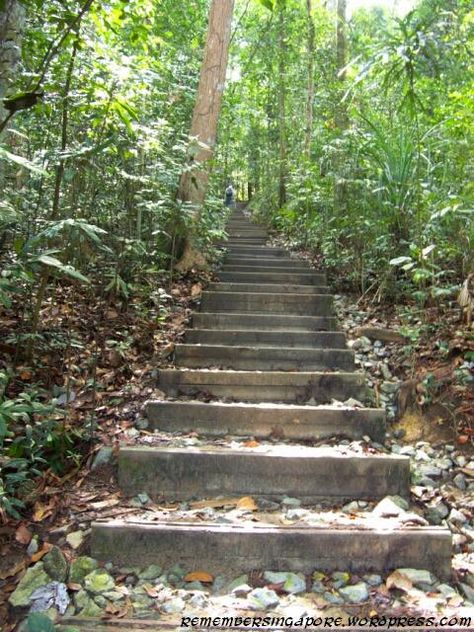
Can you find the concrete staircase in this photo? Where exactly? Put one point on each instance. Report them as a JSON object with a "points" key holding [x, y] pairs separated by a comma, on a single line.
{"points": [[264, 360]]}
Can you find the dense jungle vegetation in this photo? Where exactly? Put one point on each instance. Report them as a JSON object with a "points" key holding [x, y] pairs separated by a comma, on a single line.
{"points": [[350, 133]]}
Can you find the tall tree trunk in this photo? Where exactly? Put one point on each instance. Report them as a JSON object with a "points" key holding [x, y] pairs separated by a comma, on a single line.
{"points": [[340, 114], [193, 185], [310, 89], [283, 162]]}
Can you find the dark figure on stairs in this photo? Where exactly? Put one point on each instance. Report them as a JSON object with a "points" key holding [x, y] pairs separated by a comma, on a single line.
{"points": [[229, 195]]}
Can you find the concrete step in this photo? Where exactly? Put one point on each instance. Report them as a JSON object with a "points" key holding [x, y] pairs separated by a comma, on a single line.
{"points": [[264, 269], [249, 276], [243, 241], [263, 358], [263, 322], [220, 548], [324, 339], [265, 386], [246, 232], [268, 288], [257, 251], [266, 420], [286, 263], [270, 471], [244, 302]]}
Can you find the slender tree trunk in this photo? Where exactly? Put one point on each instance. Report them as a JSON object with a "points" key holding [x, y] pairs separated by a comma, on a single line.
{"points": [[194, 183], [283, 162], [310, 89], [340, 114]]}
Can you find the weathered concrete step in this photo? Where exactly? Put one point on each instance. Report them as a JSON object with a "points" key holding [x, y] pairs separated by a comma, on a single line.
{"points": [[220, 548], [263, 358], [286, 263], [267, 269], [299, 278], [310, 474], [263, 322], [268, 288], [323, 339], [294, 304], [258, 251], [243, 241], [246, 232], [265, 420], [265, 386]]}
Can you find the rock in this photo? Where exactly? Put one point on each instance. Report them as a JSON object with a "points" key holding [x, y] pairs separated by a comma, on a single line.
{"points": [[190, 586], [114, 595], [468, 592], [86, 606], [267, 505], [340, 579], [35, 577], [75, 539], [296, 514], [460, 481], [333, 598], [262, 599], [417, 576], [198, 601], [318, 587], [356, 593], [81, 567], [99, 581], [436, 511], [175, 606], [457, 517], [290, 502], [428, 470], [350, 508], [218, 584], [55, 565], [142, 423], [53, 595], [386, 508], [446, 590], [103, 457], [373, 580], [242, 590], [150, 572], [381, 334], [33, 546], [239, 581]]}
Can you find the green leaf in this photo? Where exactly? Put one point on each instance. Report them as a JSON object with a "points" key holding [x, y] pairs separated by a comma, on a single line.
{"points": [[399, 260], [268, 4], [67, 270], [19, 160]]}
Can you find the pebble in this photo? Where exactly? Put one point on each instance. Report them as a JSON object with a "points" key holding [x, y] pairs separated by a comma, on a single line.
{"points": [[287, 501], [75, 539], [417, 576], [356, 593], [242, 590], [103, 457], [373, 580], [460, 481], [174, 606], [457, 517], [333, 598], [262, 599]]}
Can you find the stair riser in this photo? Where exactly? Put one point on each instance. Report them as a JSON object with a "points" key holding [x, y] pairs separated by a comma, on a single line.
{"points": [[265, 359], [266, 269], [289, 388], [226, 549], [258, 251], [268, 288], [271, 323], [286, 423], [333, 340], [285, 264], [191, 473], [273, 277], [293, 304]]}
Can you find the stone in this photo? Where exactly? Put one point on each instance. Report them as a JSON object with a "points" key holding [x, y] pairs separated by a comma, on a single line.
{"points": [[355, 593], [81, 567], [457, 517], [142, 423], [242, 590], [75, 539], [114, 595], [340, 579], [417, 576], [352, 507], [35, 577], [428, 470], [437, 511], [446, 590], [86, 605], [287, 501], [190, 586], [198, 601], [373, 579], [318, 587], [460, 481], [333, 598], [386, 508], [468, 592], [55, 564], [52, 596], [291, 582], [239, 581], [262, 599], [99, 581], [103, 457], [150, 572], [175, 606], [33, 546]]}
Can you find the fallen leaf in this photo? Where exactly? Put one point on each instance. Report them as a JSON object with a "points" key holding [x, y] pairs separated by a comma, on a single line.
{"points": [[36, 557], [74, 587], [247, 502], [199, 576], [13, 570], [251, 444], [151, 591], [196, 290], [105, 503], [400, 581], [23, 535], [462, 439], [42, 511], [215, 503]]}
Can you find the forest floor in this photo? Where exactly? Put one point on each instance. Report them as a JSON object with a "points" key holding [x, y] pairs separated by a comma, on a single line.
{"points": [[420, 371]]}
